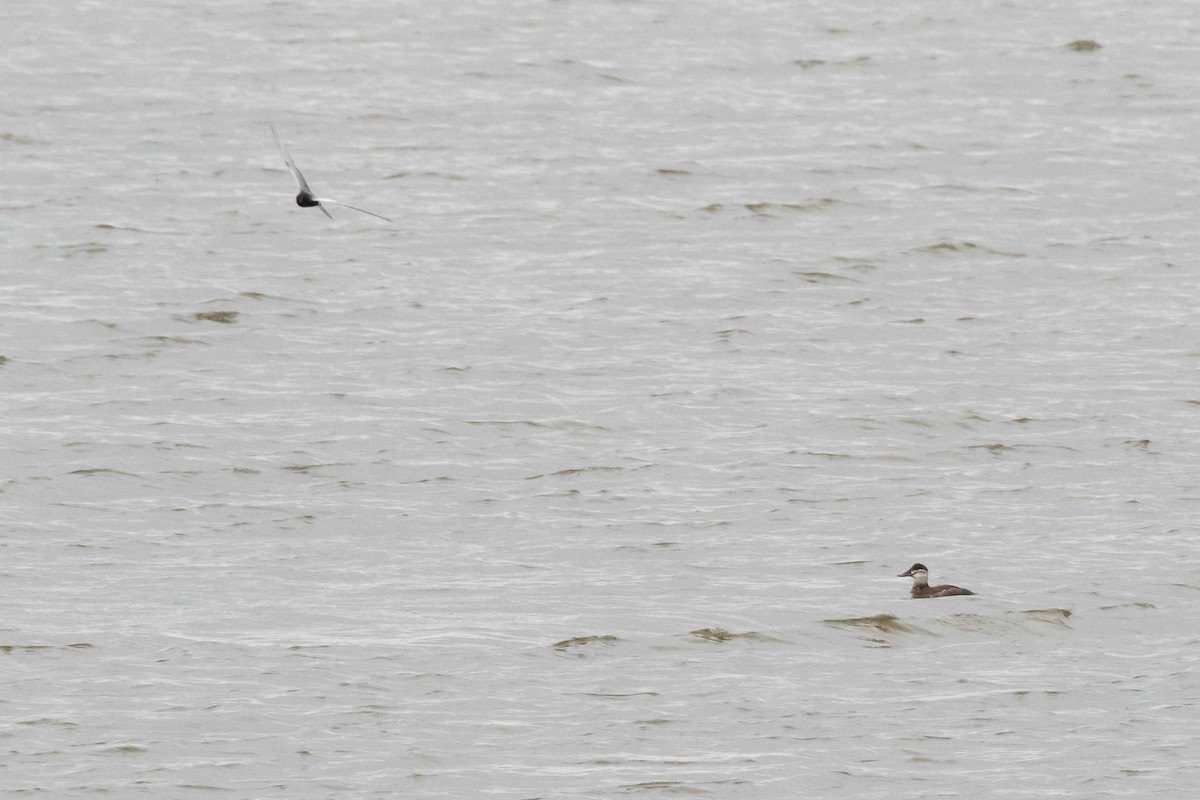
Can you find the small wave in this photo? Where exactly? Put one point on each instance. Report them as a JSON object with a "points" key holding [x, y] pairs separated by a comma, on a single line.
{"points": [[946, 246], [222, 317], [37, 648], [887, 623], [722, 635], [1053, 616], [576, 642], [89, 471]]}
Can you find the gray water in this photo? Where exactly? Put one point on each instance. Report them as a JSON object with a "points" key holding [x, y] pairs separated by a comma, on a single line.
{"points": [[591, 476]]}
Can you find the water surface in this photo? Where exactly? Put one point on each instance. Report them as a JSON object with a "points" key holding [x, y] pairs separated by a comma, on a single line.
{"points": [[591, 476]]}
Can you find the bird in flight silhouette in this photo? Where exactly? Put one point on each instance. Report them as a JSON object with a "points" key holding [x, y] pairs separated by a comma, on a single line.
{"points": [[305, 198]]}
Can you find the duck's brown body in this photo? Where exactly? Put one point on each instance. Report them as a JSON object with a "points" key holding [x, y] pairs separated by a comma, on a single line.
{"points": [[945, 590], [921, 588]]}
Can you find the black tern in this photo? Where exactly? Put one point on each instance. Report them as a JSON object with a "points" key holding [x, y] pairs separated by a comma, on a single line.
{"points": [[306, 199]]}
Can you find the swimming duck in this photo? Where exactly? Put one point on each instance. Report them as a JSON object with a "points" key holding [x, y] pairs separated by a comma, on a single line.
{"points": [[921, 588]]}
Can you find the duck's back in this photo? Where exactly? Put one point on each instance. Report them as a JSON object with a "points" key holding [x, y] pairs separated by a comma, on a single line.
{"points": [[947, 590]]}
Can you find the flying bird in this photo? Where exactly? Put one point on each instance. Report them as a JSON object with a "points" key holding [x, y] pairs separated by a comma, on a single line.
{"points": [[306, 199]]}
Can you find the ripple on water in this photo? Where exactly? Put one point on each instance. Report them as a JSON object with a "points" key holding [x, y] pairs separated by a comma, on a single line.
{"points": [[721, 635], [886, 630]]}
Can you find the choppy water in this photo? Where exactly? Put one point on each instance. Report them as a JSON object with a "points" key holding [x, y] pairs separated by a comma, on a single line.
{"points": [[591, 476]]}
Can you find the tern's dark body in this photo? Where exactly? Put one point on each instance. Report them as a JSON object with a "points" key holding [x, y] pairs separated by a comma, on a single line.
{"points": [[306, 200]]}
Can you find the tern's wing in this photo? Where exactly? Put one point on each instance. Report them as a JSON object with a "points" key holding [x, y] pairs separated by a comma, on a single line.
{"points": [[353, 208], [291, 165], [324, 210]]}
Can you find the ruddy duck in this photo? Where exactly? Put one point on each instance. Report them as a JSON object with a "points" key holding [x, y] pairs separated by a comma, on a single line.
{"points": [[921, 588]]}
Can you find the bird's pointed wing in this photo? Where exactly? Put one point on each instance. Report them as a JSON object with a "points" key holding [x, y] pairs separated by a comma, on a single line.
{"points": [[291, 165], [324, 210], [353, 208]]}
